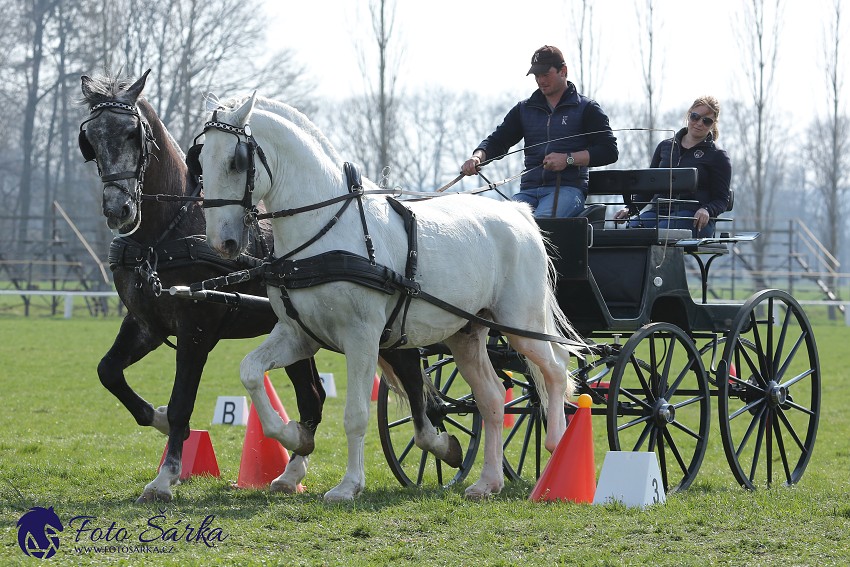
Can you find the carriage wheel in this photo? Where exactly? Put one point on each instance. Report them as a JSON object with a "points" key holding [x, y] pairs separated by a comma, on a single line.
{"points": [[453, 412], [659, 400], [525, 434], [769, 402]]}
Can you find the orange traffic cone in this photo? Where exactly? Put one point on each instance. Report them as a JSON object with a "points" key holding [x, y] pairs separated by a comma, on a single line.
{"points": [[198, 455], [570, 473], [509, 418], [376, 383], [263, 459]]}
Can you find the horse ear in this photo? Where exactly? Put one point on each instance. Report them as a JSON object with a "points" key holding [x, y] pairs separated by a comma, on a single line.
{"points": [[136, 88], [243, 113], [86, 86], [211, 102]]}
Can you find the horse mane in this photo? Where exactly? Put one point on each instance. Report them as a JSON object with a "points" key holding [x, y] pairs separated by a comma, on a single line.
{"points": [[289, 113], [105, 87]]}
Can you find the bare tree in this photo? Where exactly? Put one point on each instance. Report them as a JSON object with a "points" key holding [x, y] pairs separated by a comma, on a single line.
{"points": [[828, 143], [758, 162], [652, 71], [37, 16], [587, 40], [376, 124]]}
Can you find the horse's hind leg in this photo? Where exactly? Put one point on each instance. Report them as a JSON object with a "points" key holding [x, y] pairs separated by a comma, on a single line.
{"points": [[552, 360], [310, 397], [470, 353], [404, 366]]}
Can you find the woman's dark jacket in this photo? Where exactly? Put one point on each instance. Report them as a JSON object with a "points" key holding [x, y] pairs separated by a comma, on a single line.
{"points": [[714, 170]]}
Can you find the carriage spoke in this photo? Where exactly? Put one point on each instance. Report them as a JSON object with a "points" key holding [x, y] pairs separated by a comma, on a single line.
{"points": [[791, 431], [402, 421], [745, 409], [762, 423], [514, 429], [635, 364], [675, 450], [780, 444], [526, 441], [745, 439], [757, 372], [684, 429], [459, 426], [780, 344], [647, 430], [768, 435], [643, 419], [403, 455], [790, 358], [672, 388], [668, 363], [768, 356], [423, 460], [627, 393], [662, 458]]}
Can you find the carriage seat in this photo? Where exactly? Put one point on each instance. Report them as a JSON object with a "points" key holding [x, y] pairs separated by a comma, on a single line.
{"points": [[595, 215]]}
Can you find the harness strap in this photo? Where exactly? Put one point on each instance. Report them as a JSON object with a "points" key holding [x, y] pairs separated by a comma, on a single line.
{"points": [[191, 250], [352, 175], [496, 326], [404, 300]]}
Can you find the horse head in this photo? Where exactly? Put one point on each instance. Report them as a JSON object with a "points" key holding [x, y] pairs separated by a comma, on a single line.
{"points": [[119, 139], [227, 161]]}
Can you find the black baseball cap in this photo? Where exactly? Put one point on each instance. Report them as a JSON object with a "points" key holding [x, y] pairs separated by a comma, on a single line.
{"points": [[545, 57]]}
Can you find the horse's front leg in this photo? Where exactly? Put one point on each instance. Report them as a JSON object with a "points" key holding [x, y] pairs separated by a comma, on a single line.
{"points": [[193, 347], [282, 347], [131, 344], [361, 361]]}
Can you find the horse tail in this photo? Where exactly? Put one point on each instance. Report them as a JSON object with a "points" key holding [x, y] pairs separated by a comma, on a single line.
{"points": [[558, 324], [395, 384]]}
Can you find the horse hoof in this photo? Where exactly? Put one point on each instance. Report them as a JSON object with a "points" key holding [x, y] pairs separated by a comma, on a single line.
{"points": [[283, 487], [149, 496], [454, 458], [476, 495], [338, 494]]}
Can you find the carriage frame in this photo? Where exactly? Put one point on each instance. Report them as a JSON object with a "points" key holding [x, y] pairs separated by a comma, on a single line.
{"points": [[655, 358]]}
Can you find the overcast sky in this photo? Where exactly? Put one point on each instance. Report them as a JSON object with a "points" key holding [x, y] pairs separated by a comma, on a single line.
{"points": [[484, 46]]}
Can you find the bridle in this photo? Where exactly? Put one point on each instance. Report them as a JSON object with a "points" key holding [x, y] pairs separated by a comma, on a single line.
{"points": [[243, 162], [147, 141]]}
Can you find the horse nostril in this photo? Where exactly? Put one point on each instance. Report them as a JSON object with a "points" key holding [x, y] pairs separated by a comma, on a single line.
{"points": [[125, 212], [230, 247]]}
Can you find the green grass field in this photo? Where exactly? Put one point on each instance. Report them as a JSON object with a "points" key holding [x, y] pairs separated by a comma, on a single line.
{"points": [[66, 442]]}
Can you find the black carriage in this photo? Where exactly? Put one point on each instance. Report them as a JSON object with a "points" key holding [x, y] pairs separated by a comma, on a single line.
{"points": [[655, 358]]}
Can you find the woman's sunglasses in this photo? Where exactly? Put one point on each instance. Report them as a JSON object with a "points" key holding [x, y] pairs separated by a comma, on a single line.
{"points": [[705, 119]]}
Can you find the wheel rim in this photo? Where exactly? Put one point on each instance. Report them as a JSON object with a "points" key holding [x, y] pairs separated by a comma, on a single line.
{"points": [[769, 403], [454, 413], [659, 401]]}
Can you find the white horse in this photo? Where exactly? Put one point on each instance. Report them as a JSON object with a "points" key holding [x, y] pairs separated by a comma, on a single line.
{"points": [[484, 257]]}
